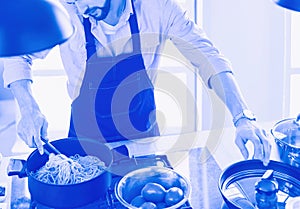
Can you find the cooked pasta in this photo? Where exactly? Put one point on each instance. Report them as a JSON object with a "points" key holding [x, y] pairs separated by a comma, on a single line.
{"points": [[63, 170]]}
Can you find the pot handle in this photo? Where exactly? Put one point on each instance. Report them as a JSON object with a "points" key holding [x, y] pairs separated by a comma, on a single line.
{"points": [[17, 167], [298, 117], [120, 153]]}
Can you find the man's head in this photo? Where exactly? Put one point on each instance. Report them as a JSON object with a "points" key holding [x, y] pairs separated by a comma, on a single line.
{"points": [[97, 9]]}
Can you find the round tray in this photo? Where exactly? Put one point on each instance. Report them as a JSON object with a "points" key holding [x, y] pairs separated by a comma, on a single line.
{"points": [[237, 183]]}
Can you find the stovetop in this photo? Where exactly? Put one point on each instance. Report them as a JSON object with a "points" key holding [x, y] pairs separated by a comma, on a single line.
{"points": [[119, 168]]}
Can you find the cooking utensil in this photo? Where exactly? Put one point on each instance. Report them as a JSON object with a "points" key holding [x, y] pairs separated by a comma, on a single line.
{"points": [[238, 182], [132, 183], [72, 195], [48, 146], [287, 137]]}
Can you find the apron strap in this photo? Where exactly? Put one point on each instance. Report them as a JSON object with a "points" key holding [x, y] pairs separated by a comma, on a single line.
{"points": [[89, 38], [135, 32]]}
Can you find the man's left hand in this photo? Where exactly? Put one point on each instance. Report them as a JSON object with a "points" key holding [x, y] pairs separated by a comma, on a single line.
{"points": [[247, 130]]}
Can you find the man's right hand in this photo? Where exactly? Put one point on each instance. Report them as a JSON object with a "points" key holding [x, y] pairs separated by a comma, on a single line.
{"points": [[33, 124]]}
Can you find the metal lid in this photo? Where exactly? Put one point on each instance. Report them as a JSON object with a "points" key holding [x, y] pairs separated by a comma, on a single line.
{"points": [[288, 131]]}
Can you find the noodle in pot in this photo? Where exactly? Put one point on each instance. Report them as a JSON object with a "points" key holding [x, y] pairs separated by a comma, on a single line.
{"points": [[63, 170]]}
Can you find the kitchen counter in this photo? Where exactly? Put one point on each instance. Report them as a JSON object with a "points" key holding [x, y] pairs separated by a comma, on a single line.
{"points": [[199, 156]]}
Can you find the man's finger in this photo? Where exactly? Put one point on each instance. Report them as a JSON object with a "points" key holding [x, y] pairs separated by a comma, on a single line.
{"points": [[266, 146], [267, 151], [38, 143], [28, 140], [241, 145], [258, 147], [22, 136], [44, 130]]}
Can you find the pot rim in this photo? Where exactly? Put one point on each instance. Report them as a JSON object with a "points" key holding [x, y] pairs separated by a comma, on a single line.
{"points": [[255, 168], [281, 139], [106, 169]]}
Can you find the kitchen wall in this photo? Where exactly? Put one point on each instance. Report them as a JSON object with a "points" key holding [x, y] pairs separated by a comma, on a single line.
{"points": [[251, 35], [49, 89], [249, 32]]}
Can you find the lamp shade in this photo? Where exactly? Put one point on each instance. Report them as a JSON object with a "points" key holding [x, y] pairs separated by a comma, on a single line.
{"points": [[289, 4], [28, 26]]}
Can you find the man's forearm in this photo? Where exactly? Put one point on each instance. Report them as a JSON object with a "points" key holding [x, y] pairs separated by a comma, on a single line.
{"points": [[32, 125], [21, 89], [226, 88]]}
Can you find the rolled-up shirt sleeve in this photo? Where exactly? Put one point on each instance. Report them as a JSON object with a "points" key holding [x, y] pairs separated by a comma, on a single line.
{"points": [[19, 67], [16, 68]]}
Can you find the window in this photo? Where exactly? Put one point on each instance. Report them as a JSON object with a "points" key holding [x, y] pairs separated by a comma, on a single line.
{"points": [[177, 105], [49, 88], [292, 60]]}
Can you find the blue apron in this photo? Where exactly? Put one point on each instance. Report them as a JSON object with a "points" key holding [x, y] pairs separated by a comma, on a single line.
{"points": [[116, 100]]}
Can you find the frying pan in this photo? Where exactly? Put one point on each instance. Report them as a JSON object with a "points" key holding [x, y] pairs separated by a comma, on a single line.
{"points": [[237, 183], [72, 195]]}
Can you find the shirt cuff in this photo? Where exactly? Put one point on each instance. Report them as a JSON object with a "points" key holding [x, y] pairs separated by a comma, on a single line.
{"points": [[209, 79], [16, 69]]}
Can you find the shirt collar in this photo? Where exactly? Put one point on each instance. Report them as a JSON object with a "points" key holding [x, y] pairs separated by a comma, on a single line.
{"points": [[128, 10], [129, 6]]}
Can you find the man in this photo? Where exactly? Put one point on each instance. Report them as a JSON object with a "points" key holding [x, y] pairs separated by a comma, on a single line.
{"points": [[111, 61]]}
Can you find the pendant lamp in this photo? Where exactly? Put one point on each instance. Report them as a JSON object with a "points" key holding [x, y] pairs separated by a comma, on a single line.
{"points": [[289, 4], [28, 26]]}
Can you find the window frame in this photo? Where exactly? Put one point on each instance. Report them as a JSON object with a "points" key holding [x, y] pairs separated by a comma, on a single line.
{"points": [[289, 70]]}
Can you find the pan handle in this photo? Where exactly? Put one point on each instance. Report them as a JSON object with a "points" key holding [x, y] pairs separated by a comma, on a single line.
{"points": [[17, 167]]}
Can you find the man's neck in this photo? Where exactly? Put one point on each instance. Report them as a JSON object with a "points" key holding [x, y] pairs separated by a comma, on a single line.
{"points": [[116, 10]]}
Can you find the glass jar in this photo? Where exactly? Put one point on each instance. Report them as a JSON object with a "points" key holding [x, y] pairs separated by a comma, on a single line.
{"points": [[266, 193]]}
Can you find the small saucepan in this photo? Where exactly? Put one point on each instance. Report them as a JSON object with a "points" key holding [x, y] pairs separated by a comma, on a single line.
{"points": [[70, 195], [287, 137]]}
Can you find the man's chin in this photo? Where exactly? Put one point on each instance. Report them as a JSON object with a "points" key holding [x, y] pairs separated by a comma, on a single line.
{"points": [[98, 17]]}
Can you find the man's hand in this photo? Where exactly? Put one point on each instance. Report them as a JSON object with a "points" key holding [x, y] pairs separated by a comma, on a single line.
{"points": [[32, 126], [247, 130]]}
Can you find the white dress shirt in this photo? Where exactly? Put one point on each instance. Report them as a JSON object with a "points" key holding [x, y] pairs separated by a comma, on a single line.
{"points": [[158, 20]]}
